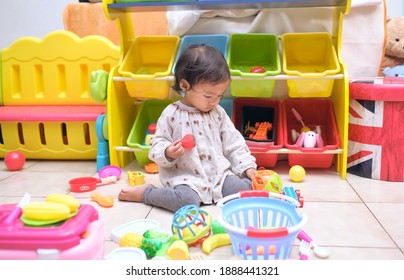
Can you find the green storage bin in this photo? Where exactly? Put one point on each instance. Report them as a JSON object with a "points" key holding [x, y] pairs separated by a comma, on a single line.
{"points": [[149, 112], [249, 50], [311, 56]]}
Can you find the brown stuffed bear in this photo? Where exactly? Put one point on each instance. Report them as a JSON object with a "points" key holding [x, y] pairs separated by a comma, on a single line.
{"points": [[394, 50]]}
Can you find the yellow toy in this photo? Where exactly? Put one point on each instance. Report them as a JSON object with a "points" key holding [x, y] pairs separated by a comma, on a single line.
{"points": [[215, 241], [66, 199], [178, 250], [45, 211], [297, 173], [49, 80], [135, 178], [131, 239]]}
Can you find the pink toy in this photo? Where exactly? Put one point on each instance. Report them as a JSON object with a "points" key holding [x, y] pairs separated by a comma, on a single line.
{"points": [[80, 237], [310, 139], [14, 160]]}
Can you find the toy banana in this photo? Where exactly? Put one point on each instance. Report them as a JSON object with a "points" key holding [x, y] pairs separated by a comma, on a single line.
{"points": [[45, 211], [215, 241], [66, 199]]}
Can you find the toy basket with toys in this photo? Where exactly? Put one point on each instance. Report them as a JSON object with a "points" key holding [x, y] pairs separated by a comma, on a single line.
{"points": [[262, 225]]}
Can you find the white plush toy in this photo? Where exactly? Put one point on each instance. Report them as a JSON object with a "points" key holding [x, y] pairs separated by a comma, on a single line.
{"points": [[308, 139]]}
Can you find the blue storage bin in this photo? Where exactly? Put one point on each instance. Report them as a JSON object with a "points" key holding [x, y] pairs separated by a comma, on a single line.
{"points": [[219, 41]]}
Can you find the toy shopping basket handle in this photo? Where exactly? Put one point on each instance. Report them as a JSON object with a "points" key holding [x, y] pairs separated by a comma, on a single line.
{"points": [[258, 193]]}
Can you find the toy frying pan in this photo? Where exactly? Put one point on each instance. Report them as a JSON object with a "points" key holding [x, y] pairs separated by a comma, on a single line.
{"points": [[86, 184]]}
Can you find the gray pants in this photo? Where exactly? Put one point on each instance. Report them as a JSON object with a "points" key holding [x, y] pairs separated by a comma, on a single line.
{"points": [[174, 198]]}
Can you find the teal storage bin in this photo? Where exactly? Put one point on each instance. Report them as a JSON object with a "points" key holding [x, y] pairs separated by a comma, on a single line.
{"points": [[219, 41], [227, 105], [247, 51]]}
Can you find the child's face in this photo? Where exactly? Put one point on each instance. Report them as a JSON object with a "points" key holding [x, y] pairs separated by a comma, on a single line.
{"points": [[205, 96]]}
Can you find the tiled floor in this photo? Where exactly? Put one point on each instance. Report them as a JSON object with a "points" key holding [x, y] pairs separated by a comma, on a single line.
{"points": [[355, 218]]}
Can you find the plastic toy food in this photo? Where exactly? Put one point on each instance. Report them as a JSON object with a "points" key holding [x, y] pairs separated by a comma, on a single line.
{"points": [[104, 201], [66, 199], [14, 160], [215, 241], [131, 239], [257, 69], [151, 168], [45, 211], [297, 173], [188, 141], [178, 250]]}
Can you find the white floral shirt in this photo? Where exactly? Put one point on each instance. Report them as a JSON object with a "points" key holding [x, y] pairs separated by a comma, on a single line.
{"points": [[220, 150]]}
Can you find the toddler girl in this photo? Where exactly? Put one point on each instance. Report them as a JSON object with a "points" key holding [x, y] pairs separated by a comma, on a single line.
{"points": [[220, 163]]}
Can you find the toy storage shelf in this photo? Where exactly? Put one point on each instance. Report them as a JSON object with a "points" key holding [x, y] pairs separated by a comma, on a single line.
{"points": [[120, 105], [221, 4], [277, 77]]}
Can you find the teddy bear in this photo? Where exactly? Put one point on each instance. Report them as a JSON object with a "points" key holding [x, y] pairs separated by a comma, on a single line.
{"points": [[396, 71], [394, 49]]}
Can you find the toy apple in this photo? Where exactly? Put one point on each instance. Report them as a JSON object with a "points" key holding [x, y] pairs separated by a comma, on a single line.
{"points": [[14, 160], [257, 69]]}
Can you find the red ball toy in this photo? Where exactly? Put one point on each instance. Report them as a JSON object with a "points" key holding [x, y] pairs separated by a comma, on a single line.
{"points": [[14, 160]]}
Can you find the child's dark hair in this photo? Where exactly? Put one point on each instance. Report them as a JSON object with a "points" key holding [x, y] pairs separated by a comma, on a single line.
{"points": [[201, 63]]}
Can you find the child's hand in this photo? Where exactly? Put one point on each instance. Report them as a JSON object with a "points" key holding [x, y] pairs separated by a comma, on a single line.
{"points": [[251, 173], [175, 150]]}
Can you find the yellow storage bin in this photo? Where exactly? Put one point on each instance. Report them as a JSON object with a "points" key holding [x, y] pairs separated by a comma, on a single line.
{"points": [[311, 56], [149, 58]]}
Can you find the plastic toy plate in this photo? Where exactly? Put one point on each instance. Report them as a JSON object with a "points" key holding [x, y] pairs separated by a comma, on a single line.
{"points": [[37, 223], [137, 226], [110, 170], [126, 253]]}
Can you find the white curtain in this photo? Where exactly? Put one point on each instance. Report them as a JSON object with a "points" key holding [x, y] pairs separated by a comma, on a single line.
{"points": [[362, 33]]}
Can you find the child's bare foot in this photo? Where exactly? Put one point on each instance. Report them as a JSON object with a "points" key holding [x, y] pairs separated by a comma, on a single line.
{"points": [[133, 194]]}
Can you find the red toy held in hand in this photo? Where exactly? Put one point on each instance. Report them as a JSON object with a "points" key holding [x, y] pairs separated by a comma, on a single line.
{"points": [[188, 141]]}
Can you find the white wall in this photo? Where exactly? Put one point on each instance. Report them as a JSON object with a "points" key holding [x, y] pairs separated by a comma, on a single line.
{"points": [[395, 8], [19, 18]]}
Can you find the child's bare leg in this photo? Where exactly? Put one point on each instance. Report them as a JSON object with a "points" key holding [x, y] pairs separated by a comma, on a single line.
{"points": [[133, 194]]}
